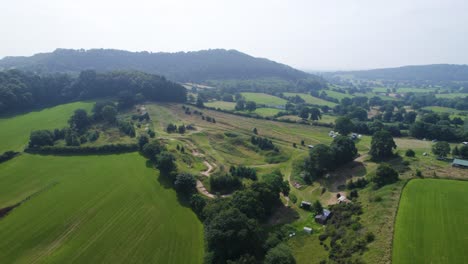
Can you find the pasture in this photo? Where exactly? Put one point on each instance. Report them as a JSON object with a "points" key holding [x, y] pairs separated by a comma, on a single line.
{"points": [[431, 222], [311, 99], [94, 209], [452, 95], [15, 130], [441, 109], [263, 98]]}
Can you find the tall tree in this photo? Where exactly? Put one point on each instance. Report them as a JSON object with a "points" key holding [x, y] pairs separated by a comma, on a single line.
{"points": [[382, 145]]}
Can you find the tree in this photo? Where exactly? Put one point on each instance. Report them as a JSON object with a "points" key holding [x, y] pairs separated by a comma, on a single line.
{"points": [[240, 105], [40, 138], [79, 120], [231, 234], [152, 149], [197, 203], [441, 149], [410, 117], [281, 254], [109, 113], [317, 207], [344, 150], [320, 160], [165, 162], [255, 131], [250, 106], [315, 114], [455, 151], [200, 102], [384, 175], [276, 183], [247, 201], [185, 183], [410, 153], [142, 140], [464, 151], [304, 113], [359, 113], [382, 145], [344, 125]]}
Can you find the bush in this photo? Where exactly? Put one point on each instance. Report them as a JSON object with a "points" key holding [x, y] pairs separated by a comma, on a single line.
{"points": [[385, 175], [410, 153], [127, 128], [370, 237], [293, 198], [40, 138], [8, 155]]}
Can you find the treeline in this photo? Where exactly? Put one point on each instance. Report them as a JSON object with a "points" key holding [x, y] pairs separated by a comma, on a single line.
{"points": [[22, 90], [85, 150]]}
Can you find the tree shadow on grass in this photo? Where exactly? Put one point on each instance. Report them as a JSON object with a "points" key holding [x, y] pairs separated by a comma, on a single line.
{"points": [[337, 179], [283, 215]]}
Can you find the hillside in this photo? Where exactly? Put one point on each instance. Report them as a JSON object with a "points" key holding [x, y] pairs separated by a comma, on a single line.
{"points": [[434, 72], [195, 66]]}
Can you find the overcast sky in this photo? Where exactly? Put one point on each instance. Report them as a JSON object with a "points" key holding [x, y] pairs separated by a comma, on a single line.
{"points": [[307, 34]]}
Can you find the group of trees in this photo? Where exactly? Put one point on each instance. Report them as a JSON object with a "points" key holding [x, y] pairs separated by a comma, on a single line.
{"points": [[323, 158], [440, 127], [232, 225], [263, 143], [20, 90]]}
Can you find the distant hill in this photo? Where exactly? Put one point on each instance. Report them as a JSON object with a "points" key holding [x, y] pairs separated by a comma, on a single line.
{"points": [[434, 72], [198, 66]]}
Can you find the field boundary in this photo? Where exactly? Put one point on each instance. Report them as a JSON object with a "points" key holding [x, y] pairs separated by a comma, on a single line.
{"points": [[96, 150]]}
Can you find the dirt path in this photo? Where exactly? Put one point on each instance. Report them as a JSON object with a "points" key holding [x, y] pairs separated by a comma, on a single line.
{"points": [[207, 173]]}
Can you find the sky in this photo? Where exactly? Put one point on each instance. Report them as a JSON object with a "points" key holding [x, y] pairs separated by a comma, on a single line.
{"points": [[310, 35]]}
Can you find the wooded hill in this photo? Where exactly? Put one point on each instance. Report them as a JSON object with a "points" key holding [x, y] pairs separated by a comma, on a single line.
{"points": [[434, 72], [198, 66]]}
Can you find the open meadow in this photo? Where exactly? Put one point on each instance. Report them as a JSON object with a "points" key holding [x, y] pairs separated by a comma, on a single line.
{"points": [[431, 225], [263, 98], [311, 99]]}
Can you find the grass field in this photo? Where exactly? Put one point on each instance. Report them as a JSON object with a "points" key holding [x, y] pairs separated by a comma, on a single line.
{"points": [[267, 112], [14, 132], [441, 109], [404, 90], [337, 95], [221, 105], [310, 99], [452, 95], [262, 98], [94, 209], [431, 223]]}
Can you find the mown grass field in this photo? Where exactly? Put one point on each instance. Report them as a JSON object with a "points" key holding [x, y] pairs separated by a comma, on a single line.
{"points": [[263, 98], [431, 225], [14, 132], [94, 209], [311, 99]]}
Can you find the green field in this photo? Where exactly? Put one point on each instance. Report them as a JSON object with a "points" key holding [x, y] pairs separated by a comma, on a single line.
{"points": [[310, 99], [221, 105], [441, 109], [337, 95], [262, 98], [452, 95], [431, 225], [266, 112], [94, 209], [15, 131], [404, 90]]}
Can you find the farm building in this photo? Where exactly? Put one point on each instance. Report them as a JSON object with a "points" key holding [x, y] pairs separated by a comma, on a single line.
{"points": [[460, 163], [310, 146], [322, 218], [308, 230]]}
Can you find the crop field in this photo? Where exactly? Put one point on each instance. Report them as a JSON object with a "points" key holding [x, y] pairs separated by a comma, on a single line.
{"points": [[93, 209], [262, 98], [431, 223], [14, 132], [311, 99]]}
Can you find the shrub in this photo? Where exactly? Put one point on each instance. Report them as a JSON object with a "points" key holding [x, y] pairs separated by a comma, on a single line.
{"points": [[410, 153], [8, 155], [185, 183]]}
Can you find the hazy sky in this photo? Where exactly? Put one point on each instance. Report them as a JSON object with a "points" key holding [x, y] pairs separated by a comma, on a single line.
{"points": [[308, 34]]}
